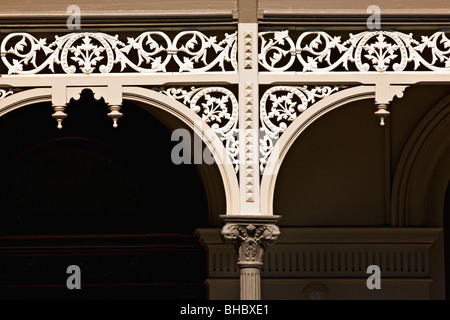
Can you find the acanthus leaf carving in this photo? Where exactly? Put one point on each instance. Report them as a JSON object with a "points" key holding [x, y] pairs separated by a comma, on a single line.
{"points": [[250, 241]]}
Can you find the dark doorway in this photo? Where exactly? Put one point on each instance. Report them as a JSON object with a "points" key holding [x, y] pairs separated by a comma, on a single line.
{"points": [[108, 200], [447, 241]]}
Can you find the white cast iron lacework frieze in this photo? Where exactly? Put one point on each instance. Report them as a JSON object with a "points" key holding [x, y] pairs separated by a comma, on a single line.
{"points": [[279, 107], [218, 107], [378, 51], [89, 52]]}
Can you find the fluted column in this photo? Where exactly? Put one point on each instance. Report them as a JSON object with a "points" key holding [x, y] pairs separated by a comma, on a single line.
{"points": [[250, 283], [250, 241]]}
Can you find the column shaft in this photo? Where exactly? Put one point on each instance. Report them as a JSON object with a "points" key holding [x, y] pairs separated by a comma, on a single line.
{"points": [[250, 241], [250, 283]]}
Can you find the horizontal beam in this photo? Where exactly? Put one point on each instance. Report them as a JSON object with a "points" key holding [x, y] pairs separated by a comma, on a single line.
{"points": [[134, 79], [301, 235], [402, 78], [224, 78]]}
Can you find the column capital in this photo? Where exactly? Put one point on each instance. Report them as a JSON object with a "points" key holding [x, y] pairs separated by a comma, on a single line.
{"points": [[250, 241]]}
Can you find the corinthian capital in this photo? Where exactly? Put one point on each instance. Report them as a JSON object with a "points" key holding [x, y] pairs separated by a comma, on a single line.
{"points": [[250, 241]]}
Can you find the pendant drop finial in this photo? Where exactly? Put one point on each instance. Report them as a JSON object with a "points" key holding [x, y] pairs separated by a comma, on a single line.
{"points": [[382, 113], [59, 115], [115, 114]]}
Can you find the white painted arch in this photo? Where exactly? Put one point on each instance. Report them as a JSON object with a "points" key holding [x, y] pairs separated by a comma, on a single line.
{"points": [[299, 125], [152, 99]]}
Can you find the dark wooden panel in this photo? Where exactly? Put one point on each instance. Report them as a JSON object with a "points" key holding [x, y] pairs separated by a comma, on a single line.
{"points": [[154, 266]]}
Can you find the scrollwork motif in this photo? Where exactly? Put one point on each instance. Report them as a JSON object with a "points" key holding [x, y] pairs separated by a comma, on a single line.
{"points": [[4, 93], [218, 107], [149, 52], [280, 106], [378, 51]]}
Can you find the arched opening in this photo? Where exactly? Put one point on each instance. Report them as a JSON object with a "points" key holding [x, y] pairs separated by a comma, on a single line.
{"points": [[108, 200], [289, 137], [332, 175]]}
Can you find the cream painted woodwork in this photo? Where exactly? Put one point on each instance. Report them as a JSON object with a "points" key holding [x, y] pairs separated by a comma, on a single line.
{"points": [[339, 136]]}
